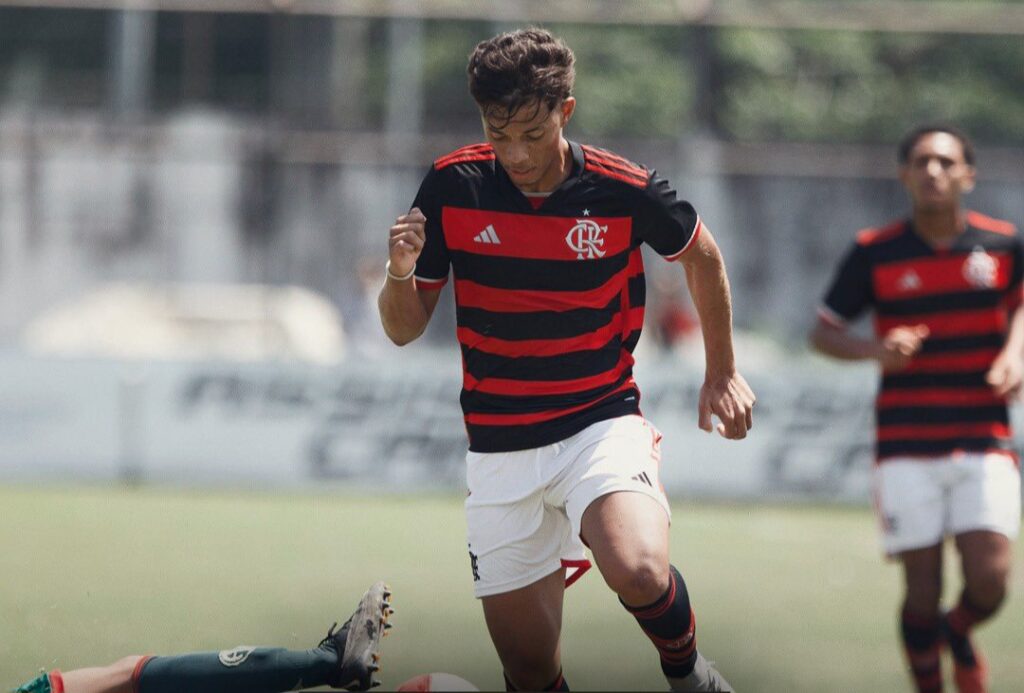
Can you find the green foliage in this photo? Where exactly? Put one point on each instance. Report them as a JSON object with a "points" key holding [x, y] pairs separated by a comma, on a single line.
{"points": [[867, 87], [448, 104], [630, 81]]}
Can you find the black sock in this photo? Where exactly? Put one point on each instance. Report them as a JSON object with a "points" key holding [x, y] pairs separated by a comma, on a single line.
{"points": [[241, 670], [921, 635], [558, 684], [670, 625], [957, 625]]}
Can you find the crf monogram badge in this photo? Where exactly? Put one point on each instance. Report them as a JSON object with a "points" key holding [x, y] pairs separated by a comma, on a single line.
{"points": [[585, 239], [981, 269]]}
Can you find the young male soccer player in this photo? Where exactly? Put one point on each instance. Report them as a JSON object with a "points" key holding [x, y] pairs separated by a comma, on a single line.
{"points": [[543, 238], [945, 286], [346, 658]]}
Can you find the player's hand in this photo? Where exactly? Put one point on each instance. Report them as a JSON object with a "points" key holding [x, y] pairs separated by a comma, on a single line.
{"points": [[1006, 375], [899, 346], [405, 241], [732, 401]]}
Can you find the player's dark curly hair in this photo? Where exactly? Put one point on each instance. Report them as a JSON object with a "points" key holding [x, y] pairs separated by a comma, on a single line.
{"points": [[528, 67], [911, 139]]}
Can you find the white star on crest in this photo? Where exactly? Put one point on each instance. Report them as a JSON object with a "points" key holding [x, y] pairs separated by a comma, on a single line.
{"points": [[586, 212]]}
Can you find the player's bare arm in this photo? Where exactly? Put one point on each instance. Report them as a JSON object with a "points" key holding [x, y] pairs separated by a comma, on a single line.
{"points": [[725, 392], [404, 310], [893, 352], [1006, 376]]}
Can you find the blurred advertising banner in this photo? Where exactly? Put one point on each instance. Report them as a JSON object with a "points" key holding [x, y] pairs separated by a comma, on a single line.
{"points": [[396, 425]]}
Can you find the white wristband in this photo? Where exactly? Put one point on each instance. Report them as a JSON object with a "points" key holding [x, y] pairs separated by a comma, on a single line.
{"points": [[391, 275]]}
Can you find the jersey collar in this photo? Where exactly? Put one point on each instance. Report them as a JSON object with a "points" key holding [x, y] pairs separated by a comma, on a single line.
{"points": [[521, 201]]}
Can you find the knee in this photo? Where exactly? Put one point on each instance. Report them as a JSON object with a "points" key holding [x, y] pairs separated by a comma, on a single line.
{"points": [[638, 580], [987, 587]]}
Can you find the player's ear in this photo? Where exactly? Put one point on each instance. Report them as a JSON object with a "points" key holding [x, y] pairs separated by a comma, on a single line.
{"points": [[969, 179], [568, 108]]}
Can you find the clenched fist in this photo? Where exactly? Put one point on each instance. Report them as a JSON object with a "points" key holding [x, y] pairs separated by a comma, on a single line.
{"points": [[405, 241]]}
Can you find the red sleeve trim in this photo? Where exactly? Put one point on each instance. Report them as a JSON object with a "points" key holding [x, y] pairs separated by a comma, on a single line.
{"points": [[830, 317], [56, 682], [424, 284], [988, 223], [689, 244], [472, 152]]}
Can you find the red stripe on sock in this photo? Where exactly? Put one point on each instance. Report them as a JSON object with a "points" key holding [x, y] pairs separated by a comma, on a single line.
{"points": [[681, 646], [923, 660], [557, 684], [137, 672], [659, 607], [56, 681], [678, 656]]}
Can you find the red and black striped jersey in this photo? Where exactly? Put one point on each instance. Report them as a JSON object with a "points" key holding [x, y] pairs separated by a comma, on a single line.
{"points": [[965, 294], [549, 299]]}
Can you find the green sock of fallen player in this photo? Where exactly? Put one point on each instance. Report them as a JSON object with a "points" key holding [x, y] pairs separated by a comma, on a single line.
{"points": [[40, 684], [241, 670]]}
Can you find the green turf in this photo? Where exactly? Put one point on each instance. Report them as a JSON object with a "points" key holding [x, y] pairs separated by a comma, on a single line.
{"points": [[787, 599]]}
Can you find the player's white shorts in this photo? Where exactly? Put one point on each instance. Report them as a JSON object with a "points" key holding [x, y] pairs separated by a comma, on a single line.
{"points": [[922, 500], [524, 508]]}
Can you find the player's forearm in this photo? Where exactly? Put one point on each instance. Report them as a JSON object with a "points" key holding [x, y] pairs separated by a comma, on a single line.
{"points": [[1015, 336], [402, 312], [709, 287], [839, 343]]}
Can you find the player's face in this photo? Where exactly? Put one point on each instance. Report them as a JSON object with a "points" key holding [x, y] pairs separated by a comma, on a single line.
{"points": [[936, 173], [530, 146]]}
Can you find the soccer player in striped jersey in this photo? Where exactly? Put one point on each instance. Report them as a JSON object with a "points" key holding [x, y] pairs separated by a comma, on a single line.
{"points": [[945, 288], [542, 237]]}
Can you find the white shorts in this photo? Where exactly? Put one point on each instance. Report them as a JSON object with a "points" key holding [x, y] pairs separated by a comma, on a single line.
{"points": [[920, 501], [524, 508]]}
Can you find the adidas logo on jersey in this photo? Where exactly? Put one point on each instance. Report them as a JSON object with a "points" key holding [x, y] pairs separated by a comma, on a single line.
{"points": [[488, 235]]}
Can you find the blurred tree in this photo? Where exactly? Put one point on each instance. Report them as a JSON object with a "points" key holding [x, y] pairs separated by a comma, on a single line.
{"points": [[630, 81], [868, 87]]}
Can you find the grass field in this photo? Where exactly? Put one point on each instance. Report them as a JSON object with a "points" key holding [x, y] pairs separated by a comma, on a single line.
{"points": [[787, 598]]}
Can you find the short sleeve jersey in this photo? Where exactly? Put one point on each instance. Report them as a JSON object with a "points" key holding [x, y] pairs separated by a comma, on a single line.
{"points": [[549, 300], [965, 295]]}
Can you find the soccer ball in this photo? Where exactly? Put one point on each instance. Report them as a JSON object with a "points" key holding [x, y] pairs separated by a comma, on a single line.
{"points": [[436, 682]]}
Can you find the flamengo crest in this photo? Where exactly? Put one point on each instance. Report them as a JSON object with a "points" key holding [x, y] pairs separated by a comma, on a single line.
{"points": [[981, 269], [235, 656], [585, 240]]}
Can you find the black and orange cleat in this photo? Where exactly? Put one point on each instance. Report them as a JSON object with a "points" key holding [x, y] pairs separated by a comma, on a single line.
{"points": [[970, 670], [357, 641]]}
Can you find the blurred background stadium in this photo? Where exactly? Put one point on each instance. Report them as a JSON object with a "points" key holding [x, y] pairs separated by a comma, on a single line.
{"points": [[206, 438]]}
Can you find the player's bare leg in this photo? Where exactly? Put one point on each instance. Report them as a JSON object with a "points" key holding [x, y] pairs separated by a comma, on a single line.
{"points": [[628, 534], [113, 678], [920, 616], [985, 560], [525, 626]]}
